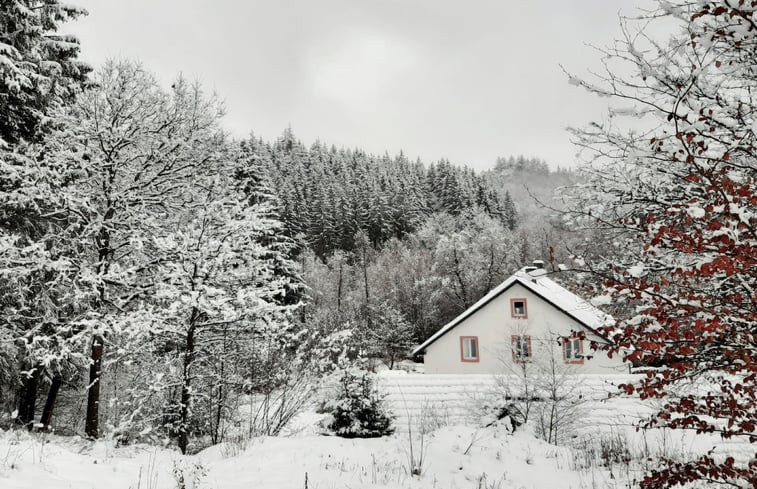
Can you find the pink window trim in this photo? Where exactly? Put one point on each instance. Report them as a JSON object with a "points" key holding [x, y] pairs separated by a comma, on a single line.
{"points": [[462, 350], [516, 338], [512, 308], [578, 361]]}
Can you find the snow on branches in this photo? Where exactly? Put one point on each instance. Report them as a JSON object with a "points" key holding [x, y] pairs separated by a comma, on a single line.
{"points": [[130, 232], [38, 67], [676, 193]]}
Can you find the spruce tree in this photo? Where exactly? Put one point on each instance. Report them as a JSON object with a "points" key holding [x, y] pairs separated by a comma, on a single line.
{"points": [[38, 66]]}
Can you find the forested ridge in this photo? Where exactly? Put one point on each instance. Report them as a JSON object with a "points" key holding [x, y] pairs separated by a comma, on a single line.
{"points": [[326, 195], [387, 246], [390, 249]]}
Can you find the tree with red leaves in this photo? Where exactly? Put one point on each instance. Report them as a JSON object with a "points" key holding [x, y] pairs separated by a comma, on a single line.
{"points": [[671, 184]]}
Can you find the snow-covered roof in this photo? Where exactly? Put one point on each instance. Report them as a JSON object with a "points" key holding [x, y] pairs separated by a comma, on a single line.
{"points": [[535, 280]]}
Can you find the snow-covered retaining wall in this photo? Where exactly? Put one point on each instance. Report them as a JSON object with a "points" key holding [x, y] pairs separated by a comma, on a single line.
{"points": [[433, 400]]}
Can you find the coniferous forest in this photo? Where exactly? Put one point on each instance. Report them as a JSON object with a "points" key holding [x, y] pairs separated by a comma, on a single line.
{"points": [[327, 195]]}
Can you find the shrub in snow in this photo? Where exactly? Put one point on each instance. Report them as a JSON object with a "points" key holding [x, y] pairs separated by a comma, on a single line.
{"points": [[503, 413], [358, 410], [188, 475]]}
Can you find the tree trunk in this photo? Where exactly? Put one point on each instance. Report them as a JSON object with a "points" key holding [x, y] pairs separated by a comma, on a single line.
{"points": [[218, 435], [91, 426], [339, 288], [28, 398], [186, 395], [365, 279], [52, 395], [459, 275], [104, 255]]}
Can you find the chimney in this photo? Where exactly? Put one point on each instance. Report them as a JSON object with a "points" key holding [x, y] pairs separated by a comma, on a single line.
{"points": [[536, 270]]}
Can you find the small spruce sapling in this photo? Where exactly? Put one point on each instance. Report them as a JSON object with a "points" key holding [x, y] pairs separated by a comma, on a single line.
{"points": [[358, 410]]}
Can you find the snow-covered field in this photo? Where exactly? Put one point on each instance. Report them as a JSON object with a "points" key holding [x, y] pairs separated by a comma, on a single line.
{"points": [[604, 452], [454, 457]]}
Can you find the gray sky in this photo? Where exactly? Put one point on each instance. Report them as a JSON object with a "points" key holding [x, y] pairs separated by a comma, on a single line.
{"points": [[466, 80]]}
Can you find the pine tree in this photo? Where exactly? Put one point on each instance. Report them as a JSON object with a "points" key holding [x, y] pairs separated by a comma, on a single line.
{"points": [[357, 410], [38, 270], [38, 66], [509, 212], [251, 171], [38, 73]]}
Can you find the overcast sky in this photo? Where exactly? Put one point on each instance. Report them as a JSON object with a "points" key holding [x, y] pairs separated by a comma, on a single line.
{"points": [[465, 80]]}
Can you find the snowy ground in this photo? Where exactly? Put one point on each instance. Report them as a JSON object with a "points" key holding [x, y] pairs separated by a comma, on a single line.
{"points": [[452, 456], [455, 457]]}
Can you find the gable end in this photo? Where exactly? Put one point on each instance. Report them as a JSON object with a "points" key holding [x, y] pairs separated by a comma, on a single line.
{"points": [[475, 307]]}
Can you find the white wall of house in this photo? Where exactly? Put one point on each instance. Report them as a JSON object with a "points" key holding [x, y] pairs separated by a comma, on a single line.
{"points": [[494, 326]]}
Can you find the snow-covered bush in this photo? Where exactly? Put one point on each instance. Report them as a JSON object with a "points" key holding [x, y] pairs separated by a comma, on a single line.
{"points": [[188, 475], [358, 410], [501, 412]]}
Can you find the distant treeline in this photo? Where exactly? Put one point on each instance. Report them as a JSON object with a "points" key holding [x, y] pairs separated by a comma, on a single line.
{"points": [[327, 195]]}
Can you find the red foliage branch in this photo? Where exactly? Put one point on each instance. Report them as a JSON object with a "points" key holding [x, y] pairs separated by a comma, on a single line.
{"points": [[696, 294]]}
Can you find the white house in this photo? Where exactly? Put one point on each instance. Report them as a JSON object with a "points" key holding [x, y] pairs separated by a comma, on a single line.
{"points": [[528, 319]]}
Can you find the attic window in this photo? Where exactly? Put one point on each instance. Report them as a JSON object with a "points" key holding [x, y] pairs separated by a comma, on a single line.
{"points": [[469, 349], [573, 350], [519, 308]]}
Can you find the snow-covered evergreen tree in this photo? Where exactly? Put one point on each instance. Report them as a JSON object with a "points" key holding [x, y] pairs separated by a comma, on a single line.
{"points": [[357, 410], [38, 72], [39, 257], [38, 66]]}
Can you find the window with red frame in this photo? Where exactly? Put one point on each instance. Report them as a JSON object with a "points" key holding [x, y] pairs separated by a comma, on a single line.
{"points": [[521, 346], [469, 348], [573, 350], [519, 308]]}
